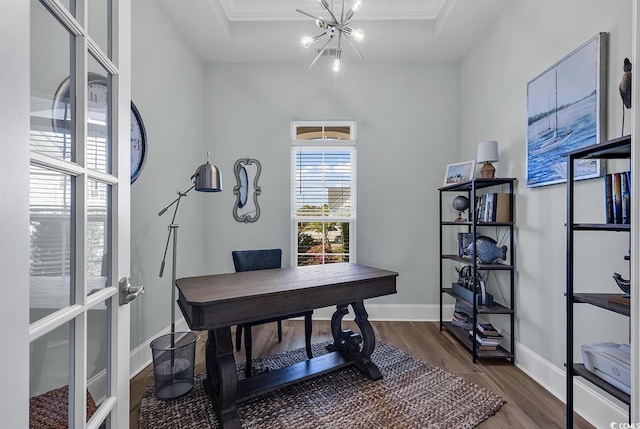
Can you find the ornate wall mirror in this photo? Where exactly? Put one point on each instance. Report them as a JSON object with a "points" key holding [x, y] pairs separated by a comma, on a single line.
{"points": [[246, 208]]}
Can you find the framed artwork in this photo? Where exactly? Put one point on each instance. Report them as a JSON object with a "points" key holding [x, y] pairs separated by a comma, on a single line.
{"points": [[459, 172], [566, 110]]}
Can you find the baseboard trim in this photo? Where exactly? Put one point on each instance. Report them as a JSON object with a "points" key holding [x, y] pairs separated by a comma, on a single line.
{"points": [[589, 403], [593, 406]]}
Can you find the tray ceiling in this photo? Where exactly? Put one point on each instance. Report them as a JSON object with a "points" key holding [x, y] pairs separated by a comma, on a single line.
{"points": [[270, 31]]}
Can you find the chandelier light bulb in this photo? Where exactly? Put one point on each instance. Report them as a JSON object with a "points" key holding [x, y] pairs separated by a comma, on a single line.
{"points": [[356, 5], [358, 35], [336, 65], [307, 41]]}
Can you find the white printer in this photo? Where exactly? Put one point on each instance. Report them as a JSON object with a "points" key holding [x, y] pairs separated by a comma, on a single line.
{"points": [[611, 362]]}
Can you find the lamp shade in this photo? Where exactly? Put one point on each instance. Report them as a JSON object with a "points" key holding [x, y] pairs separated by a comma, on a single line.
{"points": [[487, 151], [207, 178]]}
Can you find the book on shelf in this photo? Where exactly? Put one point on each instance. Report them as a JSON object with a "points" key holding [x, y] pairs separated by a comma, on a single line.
{"points": [[626, 197], [486, 208], [482, 335], [485, 343], [487, 340], [488, 329], [486, 348], [617, 198], [608, 198], [488, 203], [464, 239], [502, 211], [479, 213]]}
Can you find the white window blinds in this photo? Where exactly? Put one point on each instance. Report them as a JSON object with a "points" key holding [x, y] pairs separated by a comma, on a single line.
{"points": [[323, 181]]}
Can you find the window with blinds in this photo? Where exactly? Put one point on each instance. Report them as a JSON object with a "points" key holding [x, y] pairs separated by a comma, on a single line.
{"points": [[323, 208]]}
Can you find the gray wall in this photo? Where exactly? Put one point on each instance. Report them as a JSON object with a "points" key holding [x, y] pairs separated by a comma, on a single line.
{"points": [[408, 122], [529, 38], [167, 88]]}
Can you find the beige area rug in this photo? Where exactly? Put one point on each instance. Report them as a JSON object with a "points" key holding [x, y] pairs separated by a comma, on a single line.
{"points": [[412, 394]]}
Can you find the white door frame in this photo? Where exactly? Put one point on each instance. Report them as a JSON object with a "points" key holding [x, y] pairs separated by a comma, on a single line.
{"points": [[14, 211], [122, 208], [14, 214]]}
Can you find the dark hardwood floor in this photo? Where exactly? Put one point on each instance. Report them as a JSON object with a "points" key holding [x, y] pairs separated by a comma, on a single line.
{"points": [[528, 404]]}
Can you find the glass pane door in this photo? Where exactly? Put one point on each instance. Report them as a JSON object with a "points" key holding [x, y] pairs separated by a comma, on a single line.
{"points": [[78, 362]]}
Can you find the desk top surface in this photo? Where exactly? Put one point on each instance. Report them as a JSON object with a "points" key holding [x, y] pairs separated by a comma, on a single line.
{"points": [[203, 290]]}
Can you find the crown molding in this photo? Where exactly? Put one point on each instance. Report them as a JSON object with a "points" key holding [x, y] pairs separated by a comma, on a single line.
{"points": [[372, 10]]}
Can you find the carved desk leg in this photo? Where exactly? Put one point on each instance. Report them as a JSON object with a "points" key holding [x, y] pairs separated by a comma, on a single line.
{"points": [[358, 347], [222, 380]]}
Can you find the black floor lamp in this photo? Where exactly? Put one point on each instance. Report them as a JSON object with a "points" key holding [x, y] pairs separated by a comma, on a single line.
{"points": [[173, 358]]}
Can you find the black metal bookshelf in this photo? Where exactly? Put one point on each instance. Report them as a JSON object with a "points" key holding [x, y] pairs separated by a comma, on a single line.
{"points": [[472, 189], [619, 148]]}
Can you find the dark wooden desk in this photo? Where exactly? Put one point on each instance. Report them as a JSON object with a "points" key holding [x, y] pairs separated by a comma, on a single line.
{"points": [[217, 302]]}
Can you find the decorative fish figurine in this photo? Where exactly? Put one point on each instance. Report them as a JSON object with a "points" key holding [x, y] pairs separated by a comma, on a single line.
{"points": [[488, 250]]}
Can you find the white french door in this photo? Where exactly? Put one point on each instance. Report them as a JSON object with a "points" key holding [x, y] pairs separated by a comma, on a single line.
{"points": [[65, 208]]}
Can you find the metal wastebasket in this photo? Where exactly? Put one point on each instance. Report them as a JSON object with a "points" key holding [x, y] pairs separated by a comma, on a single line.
{"points": [[173, 364]]}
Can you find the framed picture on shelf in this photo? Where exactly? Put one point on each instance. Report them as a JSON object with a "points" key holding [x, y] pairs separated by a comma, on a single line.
{"points": [[566, 110], [459, 172]]}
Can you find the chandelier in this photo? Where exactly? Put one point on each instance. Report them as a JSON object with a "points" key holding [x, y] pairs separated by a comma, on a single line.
{"points": [[336, 27]]}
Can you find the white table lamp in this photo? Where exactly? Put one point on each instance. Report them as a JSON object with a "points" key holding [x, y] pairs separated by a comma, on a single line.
{"points": [[487, 153]]}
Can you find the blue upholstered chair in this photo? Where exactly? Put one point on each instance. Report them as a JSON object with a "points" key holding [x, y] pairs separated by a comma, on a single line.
{"points": [[264, 259]]}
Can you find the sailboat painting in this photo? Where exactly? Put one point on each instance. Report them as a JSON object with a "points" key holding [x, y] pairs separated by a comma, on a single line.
{"points": [[566, 110]]}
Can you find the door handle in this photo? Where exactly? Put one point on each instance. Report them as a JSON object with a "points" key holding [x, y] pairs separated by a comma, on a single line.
{"points": [[127, 292]]}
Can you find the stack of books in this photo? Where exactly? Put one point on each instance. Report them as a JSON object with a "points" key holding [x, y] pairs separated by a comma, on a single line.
{"points": [[617, 190], [487, 337]]}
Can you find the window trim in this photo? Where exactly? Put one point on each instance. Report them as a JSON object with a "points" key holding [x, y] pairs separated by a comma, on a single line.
{"points": [[351, 123], [323, 144]]}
